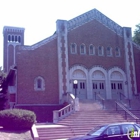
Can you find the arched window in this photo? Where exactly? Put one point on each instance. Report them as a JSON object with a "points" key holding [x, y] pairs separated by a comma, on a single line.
{"points": [[73, 48], [9, 38], [83, 49], [117, 52], [109, 51], [39, 84], [15, 38], [19, 39], [91, 50], [100, 50]]}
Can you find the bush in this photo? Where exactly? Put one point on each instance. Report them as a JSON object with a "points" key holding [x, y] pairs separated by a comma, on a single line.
{"points": [[17, 119]]}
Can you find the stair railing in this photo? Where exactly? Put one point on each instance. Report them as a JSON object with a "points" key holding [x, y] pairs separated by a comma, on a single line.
{"points": [[122, 95], [66, 111], [101, 98], [127, 112]]}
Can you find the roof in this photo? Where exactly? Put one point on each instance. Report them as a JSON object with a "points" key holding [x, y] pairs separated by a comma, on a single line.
{"points": [[79, 21], [120, 123], [95, 14]]}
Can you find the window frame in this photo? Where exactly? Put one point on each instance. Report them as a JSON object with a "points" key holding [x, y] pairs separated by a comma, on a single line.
{"points": [[72, 48], [102, 51], [36, 88], [110, 51], [84, 48], [91, 45], [119, 52]]}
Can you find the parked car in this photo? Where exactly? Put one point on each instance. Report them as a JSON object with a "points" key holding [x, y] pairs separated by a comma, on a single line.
{"points": [[115, 131]]}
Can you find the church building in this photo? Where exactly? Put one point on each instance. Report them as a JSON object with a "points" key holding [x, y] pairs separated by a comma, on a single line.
{"points": [[90, 48]]}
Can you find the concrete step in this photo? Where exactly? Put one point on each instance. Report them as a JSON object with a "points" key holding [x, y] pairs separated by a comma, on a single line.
{"points": [[52, 132], [81, 122]]}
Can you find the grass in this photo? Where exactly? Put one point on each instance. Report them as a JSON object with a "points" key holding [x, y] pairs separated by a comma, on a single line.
{"points": [[15, 134]]}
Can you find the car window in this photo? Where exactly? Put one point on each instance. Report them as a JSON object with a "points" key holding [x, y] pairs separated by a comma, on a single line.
{"points": [[97, 131], [137, 126], [128, 128], [113, 130]]}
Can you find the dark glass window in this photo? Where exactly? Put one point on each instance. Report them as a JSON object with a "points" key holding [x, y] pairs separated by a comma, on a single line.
{"points": [[12, 38], [19, 39], [16, 38], [39, 83], [9, 38]]}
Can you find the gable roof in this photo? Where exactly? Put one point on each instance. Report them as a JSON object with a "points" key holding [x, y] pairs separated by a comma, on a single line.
{"points": [[95, 14], [79, 21]]}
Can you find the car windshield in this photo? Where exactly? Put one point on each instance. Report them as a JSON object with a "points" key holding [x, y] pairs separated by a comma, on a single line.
{"points": [[97, 130]]}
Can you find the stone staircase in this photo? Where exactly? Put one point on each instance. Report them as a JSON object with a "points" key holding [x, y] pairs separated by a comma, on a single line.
{"points": [[90, 115], [54, 132]]}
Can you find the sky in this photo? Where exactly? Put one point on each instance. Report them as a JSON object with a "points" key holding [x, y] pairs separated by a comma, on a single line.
{"points": [[38, 17]]}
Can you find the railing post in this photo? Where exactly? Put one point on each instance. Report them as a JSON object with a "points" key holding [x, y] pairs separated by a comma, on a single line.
{"points": [[103, 103], [116, 107], [95, 95], [120, 96], [77, 107], [125, 115], [129, 103], [55, 116]]}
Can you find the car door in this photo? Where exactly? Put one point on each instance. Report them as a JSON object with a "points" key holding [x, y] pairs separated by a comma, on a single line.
{"points": [[126, 130], [113, 133]]}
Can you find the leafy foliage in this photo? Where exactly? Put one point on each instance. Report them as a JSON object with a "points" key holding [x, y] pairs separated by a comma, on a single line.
{"points": [[3, 89], [136, 37], [17, 119]]}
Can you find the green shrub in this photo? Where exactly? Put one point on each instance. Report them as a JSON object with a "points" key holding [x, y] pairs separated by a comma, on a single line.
{"points": [[17, 119]]}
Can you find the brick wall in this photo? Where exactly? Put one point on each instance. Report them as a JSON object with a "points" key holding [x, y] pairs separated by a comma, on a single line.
{"points": [[137, 66], [97, 34], [33, 63]]}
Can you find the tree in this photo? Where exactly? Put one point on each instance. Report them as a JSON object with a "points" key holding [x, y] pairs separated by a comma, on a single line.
{"points": [[3, 89], [136, 37]]}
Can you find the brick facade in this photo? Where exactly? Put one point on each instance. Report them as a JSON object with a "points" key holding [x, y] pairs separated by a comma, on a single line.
{"points": [[97, 34], [40, 62]]}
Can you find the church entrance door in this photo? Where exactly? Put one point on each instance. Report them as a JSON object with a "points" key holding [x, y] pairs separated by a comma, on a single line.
{"points": [[98, 86]]}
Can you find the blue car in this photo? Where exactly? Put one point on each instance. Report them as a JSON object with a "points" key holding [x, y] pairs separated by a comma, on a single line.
{"points": [[115, 131]]}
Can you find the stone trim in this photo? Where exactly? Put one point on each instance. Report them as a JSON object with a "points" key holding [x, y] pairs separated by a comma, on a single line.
{"points": [[71, 71], [88, 78], [91, 71], [93, 47], [129, 62], [95, 14], [42, 88], [71, 46], [13, 29], [102, 51], [123, 80]]}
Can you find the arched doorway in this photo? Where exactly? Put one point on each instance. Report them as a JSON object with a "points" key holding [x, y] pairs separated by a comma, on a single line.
{"points": [[98, 83], [117, 84], [81, 90]]}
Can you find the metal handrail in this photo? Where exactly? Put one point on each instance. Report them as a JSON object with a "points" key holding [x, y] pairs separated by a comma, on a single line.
{"points": [[101, 98], [122, 95], [126, 111]]}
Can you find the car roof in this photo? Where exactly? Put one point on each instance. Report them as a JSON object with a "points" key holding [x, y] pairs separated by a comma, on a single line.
{"points": [[120, 123]]}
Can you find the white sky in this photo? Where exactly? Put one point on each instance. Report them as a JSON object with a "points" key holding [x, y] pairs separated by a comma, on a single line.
{"points": [[38, 17]]}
